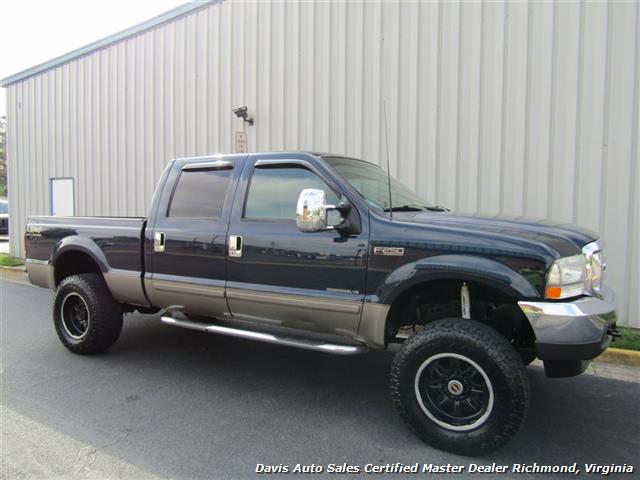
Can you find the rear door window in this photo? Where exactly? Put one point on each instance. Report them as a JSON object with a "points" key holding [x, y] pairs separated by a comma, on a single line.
{"points": [[200, 193]]}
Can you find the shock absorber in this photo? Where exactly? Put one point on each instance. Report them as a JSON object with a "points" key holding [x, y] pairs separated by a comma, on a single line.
{"points": [[465, 301]]}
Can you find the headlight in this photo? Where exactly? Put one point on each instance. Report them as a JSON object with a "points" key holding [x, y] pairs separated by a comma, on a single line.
{"points": [[595, 266], [567, 277], [577, 275]]}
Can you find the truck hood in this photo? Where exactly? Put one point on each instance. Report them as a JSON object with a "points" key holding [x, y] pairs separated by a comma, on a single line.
{"points": [[565, 238]]}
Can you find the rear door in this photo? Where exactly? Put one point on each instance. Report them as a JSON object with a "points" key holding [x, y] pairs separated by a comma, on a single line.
{"points": [[189, 232], [281, 276]]}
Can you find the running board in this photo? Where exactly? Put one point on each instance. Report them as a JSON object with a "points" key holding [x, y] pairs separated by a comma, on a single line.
{"points": [[267, 337]]}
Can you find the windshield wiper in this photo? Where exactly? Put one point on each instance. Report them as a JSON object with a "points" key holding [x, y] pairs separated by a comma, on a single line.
{"points": [[406, 208], [437, 208], [418, 208]]}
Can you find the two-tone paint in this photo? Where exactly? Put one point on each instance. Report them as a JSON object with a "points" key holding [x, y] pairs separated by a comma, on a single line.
{"points": [[341, 284], [114, 246]]}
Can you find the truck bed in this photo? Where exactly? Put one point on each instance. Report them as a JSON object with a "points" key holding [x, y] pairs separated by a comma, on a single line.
{"points": [[114, 242]]}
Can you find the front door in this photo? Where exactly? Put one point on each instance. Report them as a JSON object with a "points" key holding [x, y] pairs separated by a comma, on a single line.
{"points": [[189, 236], [281, 276]]}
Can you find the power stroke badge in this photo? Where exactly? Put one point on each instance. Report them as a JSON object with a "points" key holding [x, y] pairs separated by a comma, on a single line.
{"points": [[389, 251]]}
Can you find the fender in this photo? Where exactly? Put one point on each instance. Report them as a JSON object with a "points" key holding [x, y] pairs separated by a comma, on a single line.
{"points": [[463, 267], [124, 285], [76, 243]]}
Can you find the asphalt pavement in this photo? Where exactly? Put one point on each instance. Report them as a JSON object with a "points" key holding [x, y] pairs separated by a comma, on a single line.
{"points": [[166, 402]]}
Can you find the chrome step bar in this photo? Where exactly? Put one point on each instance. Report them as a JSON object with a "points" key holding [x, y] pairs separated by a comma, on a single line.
{"points": [[336, 349]]}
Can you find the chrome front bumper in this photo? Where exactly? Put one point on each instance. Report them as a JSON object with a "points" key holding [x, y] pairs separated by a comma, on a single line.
{"points": [[572, 331]]}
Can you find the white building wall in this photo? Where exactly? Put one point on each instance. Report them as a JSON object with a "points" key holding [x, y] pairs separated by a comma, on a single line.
{"points": [[498, 107]]}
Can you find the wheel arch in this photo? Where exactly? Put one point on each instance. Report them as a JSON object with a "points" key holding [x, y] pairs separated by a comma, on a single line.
{"points": [[75, 255], [488, 280], [469, 268]]}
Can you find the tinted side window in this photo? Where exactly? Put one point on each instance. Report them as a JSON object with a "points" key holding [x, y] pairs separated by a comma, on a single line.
{"points": [[200, 194], [273, 193]]}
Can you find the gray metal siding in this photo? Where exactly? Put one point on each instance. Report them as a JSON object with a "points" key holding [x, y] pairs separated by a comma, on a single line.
{"points": [[518, 108]]}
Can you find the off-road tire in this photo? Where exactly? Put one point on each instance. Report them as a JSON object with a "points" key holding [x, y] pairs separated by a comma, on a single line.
{"points": [[528, 357], [104, 314], [489, 350]]}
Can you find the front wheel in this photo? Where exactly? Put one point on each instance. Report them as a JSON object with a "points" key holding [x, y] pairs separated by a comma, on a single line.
{"points": [[460, 386], [86, 317]]}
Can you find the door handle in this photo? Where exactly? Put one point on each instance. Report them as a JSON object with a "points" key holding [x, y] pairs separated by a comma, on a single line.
{"points": [[158, 242], [235, 245]]}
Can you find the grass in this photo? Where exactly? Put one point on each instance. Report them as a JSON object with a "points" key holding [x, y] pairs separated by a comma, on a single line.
{"points": [[9, 261], [630, 339]]}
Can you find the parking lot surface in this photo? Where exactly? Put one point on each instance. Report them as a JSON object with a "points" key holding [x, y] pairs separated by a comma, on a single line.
{"points": [[166, 402]]}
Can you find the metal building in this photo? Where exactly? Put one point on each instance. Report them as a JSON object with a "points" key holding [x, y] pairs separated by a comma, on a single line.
{"points": [[498, 107]]}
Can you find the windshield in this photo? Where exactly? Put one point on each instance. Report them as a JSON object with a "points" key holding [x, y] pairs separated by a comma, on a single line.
{"points": [[371, 183], [4, 207]]}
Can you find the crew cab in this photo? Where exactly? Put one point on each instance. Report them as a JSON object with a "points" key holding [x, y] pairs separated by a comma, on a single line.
{"points": [[328, 253]]}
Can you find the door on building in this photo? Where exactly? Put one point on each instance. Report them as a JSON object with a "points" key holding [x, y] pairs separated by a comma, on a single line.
{"points": [[278, 275], [62, 197], [187, 264]]}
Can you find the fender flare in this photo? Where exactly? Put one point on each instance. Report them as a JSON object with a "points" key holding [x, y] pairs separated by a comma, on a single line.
{"points": [[75, 243], [470, 268]]}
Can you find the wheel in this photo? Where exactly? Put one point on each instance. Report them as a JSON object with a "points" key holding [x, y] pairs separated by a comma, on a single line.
{"points": [[86, 317], [460, 386]]}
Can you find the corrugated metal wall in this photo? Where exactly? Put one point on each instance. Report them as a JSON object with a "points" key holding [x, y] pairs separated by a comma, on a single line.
{"points": [[518, 108]]}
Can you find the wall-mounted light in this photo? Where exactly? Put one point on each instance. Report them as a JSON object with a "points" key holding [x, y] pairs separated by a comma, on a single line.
{"points": [[241, 112]]}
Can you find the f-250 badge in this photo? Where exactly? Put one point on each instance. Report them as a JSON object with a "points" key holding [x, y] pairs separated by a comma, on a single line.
{"points": [[33, 231], [389, 251]]}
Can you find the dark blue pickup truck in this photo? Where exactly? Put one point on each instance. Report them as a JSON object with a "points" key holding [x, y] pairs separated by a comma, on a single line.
{"points": [[324, 252]]}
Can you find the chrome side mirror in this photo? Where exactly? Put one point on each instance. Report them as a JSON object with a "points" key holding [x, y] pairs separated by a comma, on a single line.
{"points": [[311, 211]]}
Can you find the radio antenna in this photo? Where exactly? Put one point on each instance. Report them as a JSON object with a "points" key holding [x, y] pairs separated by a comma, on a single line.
{"points": [[386, 142]]}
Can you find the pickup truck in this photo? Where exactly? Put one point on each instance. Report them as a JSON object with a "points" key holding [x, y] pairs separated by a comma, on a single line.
{"points": [[328, 253]]}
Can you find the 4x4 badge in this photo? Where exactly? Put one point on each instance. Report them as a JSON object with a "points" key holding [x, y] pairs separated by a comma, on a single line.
{"points": [[389, 251]]}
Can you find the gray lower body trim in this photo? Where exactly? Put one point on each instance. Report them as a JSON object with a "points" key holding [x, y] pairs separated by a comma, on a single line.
{"points": [[302, 312], [564, 323], [126, 286], [194, 295], [373, 324], [40, 273], [189, 288], [340, 316], [315, 303]]}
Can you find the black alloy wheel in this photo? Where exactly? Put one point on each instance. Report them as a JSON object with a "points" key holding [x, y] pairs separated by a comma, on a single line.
{"points": [[454, 391]]}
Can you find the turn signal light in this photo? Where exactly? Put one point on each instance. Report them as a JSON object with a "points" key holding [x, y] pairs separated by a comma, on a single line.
{"points": [[554, 292]]}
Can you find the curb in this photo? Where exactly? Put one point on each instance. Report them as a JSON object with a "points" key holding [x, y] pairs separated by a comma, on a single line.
{"points": [[15, 275], [620, 356], [19, 268]]}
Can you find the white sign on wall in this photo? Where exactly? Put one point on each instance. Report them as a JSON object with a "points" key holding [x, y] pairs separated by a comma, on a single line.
{"points": [[241, 142], [62, 203]]}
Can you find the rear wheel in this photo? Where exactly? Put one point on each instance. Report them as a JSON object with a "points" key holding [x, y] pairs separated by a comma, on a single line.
{"points": [[86, 317], [460, 386]]}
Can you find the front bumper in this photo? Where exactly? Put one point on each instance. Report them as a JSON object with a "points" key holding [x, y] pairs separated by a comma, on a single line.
{"points": [[569, 334]]}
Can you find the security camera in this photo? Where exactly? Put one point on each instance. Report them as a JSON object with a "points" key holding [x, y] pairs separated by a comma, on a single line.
{"points": [[241, 112]]}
